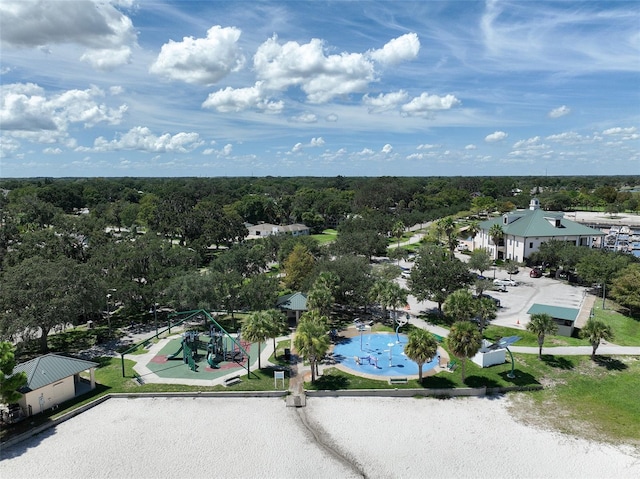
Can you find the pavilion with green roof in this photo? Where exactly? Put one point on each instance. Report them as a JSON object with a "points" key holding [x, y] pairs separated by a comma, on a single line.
{"points": [[525, 230]]}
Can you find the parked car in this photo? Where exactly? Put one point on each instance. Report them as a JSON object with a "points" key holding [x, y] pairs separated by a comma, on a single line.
{"points": [[495, 300], [504, 282], [535, 273]]}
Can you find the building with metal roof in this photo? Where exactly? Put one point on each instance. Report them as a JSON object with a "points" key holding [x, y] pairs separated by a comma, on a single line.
{"points": [[525, 230], [565, 318], [53, 379], [293, 305]]}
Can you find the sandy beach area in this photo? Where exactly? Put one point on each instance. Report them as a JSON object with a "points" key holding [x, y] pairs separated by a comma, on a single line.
{"points": [[330, 438]]}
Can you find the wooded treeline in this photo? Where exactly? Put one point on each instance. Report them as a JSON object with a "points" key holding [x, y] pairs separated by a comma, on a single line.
{"points": [[73, 249]]}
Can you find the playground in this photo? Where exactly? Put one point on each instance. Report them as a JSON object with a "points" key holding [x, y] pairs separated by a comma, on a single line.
{"points": [[192, 353]]}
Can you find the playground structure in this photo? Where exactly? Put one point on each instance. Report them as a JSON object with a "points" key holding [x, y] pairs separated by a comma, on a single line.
{"points": [[219, 347]]}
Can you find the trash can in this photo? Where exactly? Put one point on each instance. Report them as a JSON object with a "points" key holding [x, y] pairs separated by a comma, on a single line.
{"points": [[287, 354]]}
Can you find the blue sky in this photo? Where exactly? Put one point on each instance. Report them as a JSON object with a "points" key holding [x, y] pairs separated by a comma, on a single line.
{"points": [[313, 88]]}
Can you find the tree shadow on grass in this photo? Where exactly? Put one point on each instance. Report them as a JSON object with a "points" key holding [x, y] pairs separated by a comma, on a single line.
{"points": [[610, 363], [521, 378], [437, 382], [557, 362], [481, 381], [331, 383]]}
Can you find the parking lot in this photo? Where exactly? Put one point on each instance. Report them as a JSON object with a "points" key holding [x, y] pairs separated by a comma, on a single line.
{"points": [[515, 301]]}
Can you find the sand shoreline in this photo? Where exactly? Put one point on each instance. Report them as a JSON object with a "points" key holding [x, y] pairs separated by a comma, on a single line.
{"points": [[331, 437]]}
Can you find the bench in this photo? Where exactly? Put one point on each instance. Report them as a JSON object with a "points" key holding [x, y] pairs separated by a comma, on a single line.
{"points": [[398, 381], [232, 380]]}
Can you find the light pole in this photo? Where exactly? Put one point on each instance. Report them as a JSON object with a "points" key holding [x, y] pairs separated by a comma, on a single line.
{"points": [[108, 312], [155, 316]]}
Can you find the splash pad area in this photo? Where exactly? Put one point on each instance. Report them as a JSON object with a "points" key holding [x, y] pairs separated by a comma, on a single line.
{"points": [[378, 354]]}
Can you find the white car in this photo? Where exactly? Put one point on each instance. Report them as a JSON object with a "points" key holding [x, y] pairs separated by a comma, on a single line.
{"points": [[504, 282]]}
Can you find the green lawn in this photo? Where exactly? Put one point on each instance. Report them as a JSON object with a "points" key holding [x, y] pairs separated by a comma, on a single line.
{"points": [[327, 236]]}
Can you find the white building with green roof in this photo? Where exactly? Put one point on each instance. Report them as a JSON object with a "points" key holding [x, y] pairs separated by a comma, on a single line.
{"points": [[525, 230]]}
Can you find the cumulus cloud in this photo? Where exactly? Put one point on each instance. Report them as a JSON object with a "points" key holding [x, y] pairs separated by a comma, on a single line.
{"points": [[202, 61], [305, 118], [142, 139], [427, 146], [314, 143], [426, 104], [386, 149], [331, 117], [322, 77], [403, 48], [317, 142], [240, 99], [470, 146], [560, 111], [496, 136], [105, 32], [384, 102], [620, 131], [26, 107]]}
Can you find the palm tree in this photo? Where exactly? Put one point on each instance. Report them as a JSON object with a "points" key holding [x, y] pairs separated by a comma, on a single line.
{"points": [[596, 331], [464, 341], [459, 305], [421, 348], [541, 324], [496, 233], [256, 330], [398, 230], [486, 308], [311, 339], [276, 325], [472, 230], [447, 227]]}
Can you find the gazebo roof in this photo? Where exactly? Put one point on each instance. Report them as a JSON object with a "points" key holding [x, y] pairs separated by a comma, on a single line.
{"points": [[294, 302]]}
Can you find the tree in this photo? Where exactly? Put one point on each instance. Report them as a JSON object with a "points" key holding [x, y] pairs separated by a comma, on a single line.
{"points": [[464, 341], [601, 266], [276, 325], [38, 295], [256, 330], [480, 260], [460, 305], [496, 233], [596, 331], [398, 230], [486, 309], [447, 227], [436, 275], [311, 339], [626, 288], [541, 324], [298, 266], [9, 383], [388, 294], [421, 347], [320, 299]]}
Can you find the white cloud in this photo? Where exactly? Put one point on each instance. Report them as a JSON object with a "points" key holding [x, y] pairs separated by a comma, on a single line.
{"points": [[305, 118], [384, 102], [527, 143], [297, 147], [52, 151], [427, 146], [560, 111], [322, 77], [26, 107], [619, 131], [98, 26], [403, 48], [317, 142], [331, 117], [470, 146], [8, 146], [386, 149], [496, 136], [141, 138], [240, 99], [426, 104], [202, 61]]}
